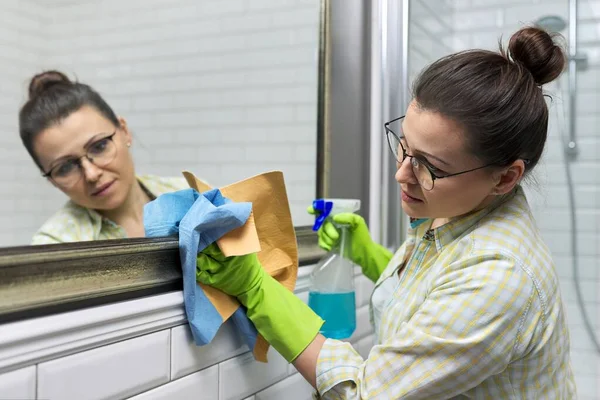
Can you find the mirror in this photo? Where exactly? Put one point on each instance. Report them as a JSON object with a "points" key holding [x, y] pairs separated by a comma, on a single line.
{"points": [[225, 89]]}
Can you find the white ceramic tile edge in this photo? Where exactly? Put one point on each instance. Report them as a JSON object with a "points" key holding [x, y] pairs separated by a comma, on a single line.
{"points": [[303, 281], [28, 342]]}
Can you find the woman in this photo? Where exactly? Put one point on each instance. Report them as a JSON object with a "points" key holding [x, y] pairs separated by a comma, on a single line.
{"points": [[469, 306], [82, 148]]}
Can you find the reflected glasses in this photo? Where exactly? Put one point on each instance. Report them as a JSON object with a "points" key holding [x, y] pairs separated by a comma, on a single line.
{"points": [[68, 172], [425, 174]]}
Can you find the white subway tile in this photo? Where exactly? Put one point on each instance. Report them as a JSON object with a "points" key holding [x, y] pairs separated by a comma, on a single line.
{"points": [[588, 9], [575, 319], [495, 3], [187, 357], [587, 289], [587, 267], [115, 371], [219, 154], [247, 22], [466, 21], [584, 361], [587, 386], [306, 153], [293, 388], [458, 5], [218, 8], [589, 79], [268, 152], [271, 115], [582, 173], [295, 17], [249, 375], [588, 31], [582, 342], [528, 13], [203, 385], [19, 384], [268, 5], [559, 219], [587, 125], [588, 102], [560, 243], [245, 134]]}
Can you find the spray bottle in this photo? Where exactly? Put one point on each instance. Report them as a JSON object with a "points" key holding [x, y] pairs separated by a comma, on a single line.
{"points": [[331, 293]]}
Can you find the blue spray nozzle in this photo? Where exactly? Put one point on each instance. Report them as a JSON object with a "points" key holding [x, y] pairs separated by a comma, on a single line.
{"points": [[323, 208]]}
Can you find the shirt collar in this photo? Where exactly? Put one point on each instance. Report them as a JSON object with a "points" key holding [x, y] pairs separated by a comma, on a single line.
{"points": [[450, 231]]}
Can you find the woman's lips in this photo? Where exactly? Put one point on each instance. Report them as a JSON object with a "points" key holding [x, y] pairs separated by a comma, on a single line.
{"points": [[103, 189], [409, 199]]}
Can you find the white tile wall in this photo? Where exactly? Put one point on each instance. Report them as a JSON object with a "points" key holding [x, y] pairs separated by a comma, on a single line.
{"points": [[19, 384], [479, 23], [186, 357], [430, 23], [167, 365], [225, 89], [21, 46], [202, 385], [242, 376], [293, 388], [114, 371]]}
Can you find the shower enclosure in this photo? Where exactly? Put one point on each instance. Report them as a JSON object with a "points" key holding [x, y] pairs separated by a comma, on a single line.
{"points": [[565, 196]]}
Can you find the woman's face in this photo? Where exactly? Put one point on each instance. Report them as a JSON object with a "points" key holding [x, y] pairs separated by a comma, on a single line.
{"points": [[60, 147], [440, 143]]}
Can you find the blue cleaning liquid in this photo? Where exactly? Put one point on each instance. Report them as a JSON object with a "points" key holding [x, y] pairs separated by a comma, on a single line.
{"points": [[338, 310]]}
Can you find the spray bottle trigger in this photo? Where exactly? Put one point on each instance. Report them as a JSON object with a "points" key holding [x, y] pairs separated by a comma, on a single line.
{"points": [[323, 209]]}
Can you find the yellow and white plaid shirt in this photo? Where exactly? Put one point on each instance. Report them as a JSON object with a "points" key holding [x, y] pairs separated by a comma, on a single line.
{"points": [[477, 314], [74, 223]]}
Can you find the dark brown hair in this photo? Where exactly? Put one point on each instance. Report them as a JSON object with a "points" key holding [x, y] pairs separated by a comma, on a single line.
{"points": [[52, 98], [497, 96]]}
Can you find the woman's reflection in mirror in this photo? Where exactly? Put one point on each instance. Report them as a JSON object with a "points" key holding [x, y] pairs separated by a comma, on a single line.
{"points": [[83, 148]]}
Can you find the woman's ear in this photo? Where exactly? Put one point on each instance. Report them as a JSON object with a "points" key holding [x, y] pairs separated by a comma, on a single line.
{"points": [[127, 134], [509, 177]]}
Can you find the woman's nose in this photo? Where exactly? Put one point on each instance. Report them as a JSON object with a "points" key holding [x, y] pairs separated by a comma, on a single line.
{"points": [[91, 172], [405, 173]]}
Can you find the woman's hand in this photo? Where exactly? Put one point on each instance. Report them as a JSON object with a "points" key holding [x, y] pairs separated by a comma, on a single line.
{"points": [[372, 257], [282, 319], [235, 276]]}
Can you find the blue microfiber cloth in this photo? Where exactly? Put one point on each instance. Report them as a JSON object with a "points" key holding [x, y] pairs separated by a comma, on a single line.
{"points": [[200, 219]]}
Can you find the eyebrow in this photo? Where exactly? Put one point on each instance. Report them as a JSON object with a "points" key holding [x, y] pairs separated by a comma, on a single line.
{"points": [[424, 153]]}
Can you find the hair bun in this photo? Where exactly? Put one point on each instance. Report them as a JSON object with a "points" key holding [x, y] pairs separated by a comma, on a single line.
{"points": [[43, 81], [535, 49]]}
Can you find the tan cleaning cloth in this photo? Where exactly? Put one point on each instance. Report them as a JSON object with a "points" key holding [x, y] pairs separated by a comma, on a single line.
{"points": [[269, 231]]}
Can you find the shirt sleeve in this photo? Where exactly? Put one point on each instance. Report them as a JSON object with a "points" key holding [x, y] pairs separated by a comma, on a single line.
{"points": [[66, 225], [44, 238], [465, 331]]}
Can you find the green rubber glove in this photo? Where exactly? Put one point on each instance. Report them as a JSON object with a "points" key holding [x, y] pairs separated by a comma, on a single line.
{"points": [[372, 257], [282, 319]]}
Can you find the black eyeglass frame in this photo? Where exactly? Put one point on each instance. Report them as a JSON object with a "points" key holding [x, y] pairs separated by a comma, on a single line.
{"points": [[389, 131], [86, 155]]}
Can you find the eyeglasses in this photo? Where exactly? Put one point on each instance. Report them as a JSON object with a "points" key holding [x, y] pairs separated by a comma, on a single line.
{"points": [[425, 173], [69, 172]]}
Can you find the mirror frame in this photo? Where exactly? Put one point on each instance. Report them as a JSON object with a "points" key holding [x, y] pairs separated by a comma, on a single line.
{"points": [[47, 279]]}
